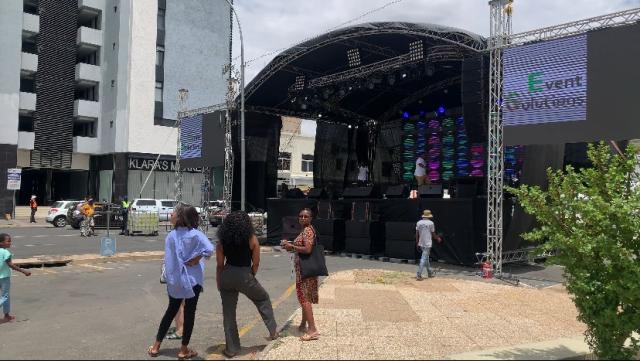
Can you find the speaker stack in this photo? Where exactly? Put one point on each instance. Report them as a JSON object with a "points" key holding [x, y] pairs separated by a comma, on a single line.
{"points": [[400, 240], [291, 228], [430, 191], [362, 235], [395, 192], [329, 229]]}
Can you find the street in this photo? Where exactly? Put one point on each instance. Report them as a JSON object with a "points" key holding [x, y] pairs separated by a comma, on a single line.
{"points": [[112, 310], [51, 241]]}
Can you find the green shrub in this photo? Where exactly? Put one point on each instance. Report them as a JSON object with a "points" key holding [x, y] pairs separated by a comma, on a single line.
{"points": [[591, 218]]}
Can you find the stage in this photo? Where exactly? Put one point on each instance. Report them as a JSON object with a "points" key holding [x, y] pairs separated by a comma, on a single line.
{"points": [[389, 229]]}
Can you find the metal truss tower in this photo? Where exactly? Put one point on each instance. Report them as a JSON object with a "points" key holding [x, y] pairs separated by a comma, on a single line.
{"points": [[500, 32], [232, 86], [183, 94]]}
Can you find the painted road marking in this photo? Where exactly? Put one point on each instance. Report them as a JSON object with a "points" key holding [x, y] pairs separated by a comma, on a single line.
{"points": [[95, 267], [40, 236], [29, 245], [66, 235]]}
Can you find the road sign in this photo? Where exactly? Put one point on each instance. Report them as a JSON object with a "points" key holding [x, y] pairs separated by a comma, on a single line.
{"points": [[14, 177], [108, 247]]}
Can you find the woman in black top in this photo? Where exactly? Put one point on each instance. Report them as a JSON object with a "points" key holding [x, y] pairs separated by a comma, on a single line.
{"points": [[238, 257]]}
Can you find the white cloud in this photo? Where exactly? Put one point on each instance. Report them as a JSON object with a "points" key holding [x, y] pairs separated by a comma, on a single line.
{"points": [[269, 25]]}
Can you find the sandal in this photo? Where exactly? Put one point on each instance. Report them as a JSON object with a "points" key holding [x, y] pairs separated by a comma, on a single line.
{"points": [[190, 354], [228, 354], [308, 337], [174, 336], [151, 353]]}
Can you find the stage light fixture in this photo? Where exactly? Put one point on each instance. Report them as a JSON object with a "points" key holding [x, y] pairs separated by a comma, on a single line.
{"points": [[294, 99], [319, 115], [404, 75], [441, 110], [349, 126], [303, 106], [416, 50], [405, 115], [299, 84], [353, 56]]}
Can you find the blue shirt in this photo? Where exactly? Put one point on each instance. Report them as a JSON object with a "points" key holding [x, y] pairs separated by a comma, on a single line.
{"points": [[5, 270], [180, 246]]}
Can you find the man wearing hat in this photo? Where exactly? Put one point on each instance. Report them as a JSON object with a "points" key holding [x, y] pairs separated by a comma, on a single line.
{"points": [[34, 208], [425, 233]]}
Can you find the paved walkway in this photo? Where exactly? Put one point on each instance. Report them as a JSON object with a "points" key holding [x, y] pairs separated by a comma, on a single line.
{"points": [[374, 314]]}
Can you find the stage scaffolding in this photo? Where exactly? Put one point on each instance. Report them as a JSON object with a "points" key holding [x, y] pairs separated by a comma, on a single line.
{"points": [[501, 38]]}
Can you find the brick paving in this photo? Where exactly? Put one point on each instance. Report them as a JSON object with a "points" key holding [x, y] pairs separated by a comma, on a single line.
{"points": [[375, 314]]}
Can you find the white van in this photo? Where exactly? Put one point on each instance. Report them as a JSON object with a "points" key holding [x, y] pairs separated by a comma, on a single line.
{"points": [[145, 205]]}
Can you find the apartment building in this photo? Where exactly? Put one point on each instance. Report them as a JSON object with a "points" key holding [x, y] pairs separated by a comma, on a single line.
{"points": [[89, 92], [295, 161]]}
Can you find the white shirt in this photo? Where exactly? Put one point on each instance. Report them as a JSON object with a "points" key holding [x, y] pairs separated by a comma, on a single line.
{"points": [[420, 171], [363, 173], [425, 227]]}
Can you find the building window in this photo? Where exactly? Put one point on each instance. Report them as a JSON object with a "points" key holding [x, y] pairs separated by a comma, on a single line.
{"points": [[161, 19], [159, 87], [159, 55], [307, 163], [284, 161]]}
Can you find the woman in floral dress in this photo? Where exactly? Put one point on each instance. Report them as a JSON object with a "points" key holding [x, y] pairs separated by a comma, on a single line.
{"points": [[307, 288]]}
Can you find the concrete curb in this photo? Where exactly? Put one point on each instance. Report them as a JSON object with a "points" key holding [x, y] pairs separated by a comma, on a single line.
{"points": [[560, 349], [88, 258], [270, 345]]}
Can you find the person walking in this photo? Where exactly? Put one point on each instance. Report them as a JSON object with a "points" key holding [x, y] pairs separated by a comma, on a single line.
{"points": [[363, 174], [238, 259], [185, 248], [425, 233], [6, 265], [125, 214], [306, 288], [87, 227], [34, 208]]}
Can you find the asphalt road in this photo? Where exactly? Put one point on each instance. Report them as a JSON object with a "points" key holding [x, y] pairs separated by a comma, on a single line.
{"points": [[112, 310], [37, 241]]}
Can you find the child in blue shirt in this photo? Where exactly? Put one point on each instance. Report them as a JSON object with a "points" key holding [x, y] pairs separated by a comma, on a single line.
{"points": [[5, 275]]}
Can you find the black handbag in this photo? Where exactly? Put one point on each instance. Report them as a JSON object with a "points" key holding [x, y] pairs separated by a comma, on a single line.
{"points": [[313, 264]]}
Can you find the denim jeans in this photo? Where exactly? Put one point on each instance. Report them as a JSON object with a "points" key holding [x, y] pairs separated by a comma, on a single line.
{"points": [[5, 285], [424, 261]]}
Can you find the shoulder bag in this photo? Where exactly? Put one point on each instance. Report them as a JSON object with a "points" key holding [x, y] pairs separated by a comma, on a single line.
{"points": [[313, 264]]}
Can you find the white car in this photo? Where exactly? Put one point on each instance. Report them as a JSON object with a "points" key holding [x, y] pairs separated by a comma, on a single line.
{"points": [[164, 207], [57, 214]]}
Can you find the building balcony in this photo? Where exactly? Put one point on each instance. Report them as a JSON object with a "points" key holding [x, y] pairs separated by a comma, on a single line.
{"points": [[26, 140], [86, 145], [89, 38], [27, 102], [91, 5], [30, 23], [29, 63], [86, 109], [87, 74]]}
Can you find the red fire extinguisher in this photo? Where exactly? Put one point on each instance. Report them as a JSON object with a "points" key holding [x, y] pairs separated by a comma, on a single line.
{"points": [[487, 269]]}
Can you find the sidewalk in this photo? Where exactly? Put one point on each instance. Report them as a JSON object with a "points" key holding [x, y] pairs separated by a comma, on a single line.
{"points": [[23, 215], [375, 314]]}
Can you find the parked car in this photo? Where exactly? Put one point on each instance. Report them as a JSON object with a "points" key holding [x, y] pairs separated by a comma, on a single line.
{"points": [[57, 214], [217, 216], [166, 207], [99, 217]]}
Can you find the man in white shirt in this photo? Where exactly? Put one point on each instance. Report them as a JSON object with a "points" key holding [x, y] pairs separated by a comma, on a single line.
{"points": [[425, 233], [421, 170], [363, 174]]}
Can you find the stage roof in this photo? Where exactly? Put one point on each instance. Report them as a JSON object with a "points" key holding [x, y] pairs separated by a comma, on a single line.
{"points": [[367, 71]]}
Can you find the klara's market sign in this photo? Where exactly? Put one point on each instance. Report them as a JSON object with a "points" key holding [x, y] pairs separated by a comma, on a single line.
{"points": [[162, 165]]}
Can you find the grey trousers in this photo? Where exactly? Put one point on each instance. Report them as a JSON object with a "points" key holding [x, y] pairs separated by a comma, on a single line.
{"points": [[236, 280]]}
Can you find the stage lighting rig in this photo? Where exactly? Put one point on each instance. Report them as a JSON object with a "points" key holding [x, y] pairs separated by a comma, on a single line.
{"points": [[353, 56], [416, 50], [299, 84]]}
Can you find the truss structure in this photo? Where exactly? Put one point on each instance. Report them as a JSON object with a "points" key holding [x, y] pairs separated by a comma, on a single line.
{"points": [[233, 82], [500, 32], [205, 197], [501, 38], [183, 94], [447, 35], [620, 18]]}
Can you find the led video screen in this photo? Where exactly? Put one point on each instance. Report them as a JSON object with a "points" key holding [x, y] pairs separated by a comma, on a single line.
{"points": [[575, 89], [202, 140]]}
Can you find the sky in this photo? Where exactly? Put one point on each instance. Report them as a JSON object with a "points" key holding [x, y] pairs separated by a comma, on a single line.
{"points": [[270, 26]]}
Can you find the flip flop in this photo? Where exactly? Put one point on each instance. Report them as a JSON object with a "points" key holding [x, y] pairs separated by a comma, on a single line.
{"points": [[151, 353], [190, 354], [174, 336], [308, 337]]}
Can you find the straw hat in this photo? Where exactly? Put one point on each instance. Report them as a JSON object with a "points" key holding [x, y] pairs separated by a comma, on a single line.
{"points": [[427, 214]]}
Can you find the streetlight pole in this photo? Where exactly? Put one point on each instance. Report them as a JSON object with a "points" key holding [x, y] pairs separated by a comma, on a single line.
{"points": [[243, 169]]}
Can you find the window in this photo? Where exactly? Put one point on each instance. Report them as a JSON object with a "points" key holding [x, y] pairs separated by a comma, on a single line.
{"points": [[161, 19], [159, 87], [159, 55], [84, 129], [146, 202], [169, 204], [307, 163], [284, 161]]}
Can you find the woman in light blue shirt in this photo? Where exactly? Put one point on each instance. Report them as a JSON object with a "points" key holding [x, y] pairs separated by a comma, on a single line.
{"points": [[184, 249]]}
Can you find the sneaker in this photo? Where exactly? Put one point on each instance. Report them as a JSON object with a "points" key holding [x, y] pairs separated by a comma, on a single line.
{"points": [[419, 278], [431, 275]]}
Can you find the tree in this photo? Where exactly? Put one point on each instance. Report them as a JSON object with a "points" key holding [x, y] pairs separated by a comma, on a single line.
{"points": [[591, 219]]}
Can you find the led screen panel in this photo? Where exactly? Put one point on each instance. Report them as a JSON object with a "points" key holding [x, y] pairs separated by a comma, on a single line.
{"points": [[191, 137], [553, 94]]}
